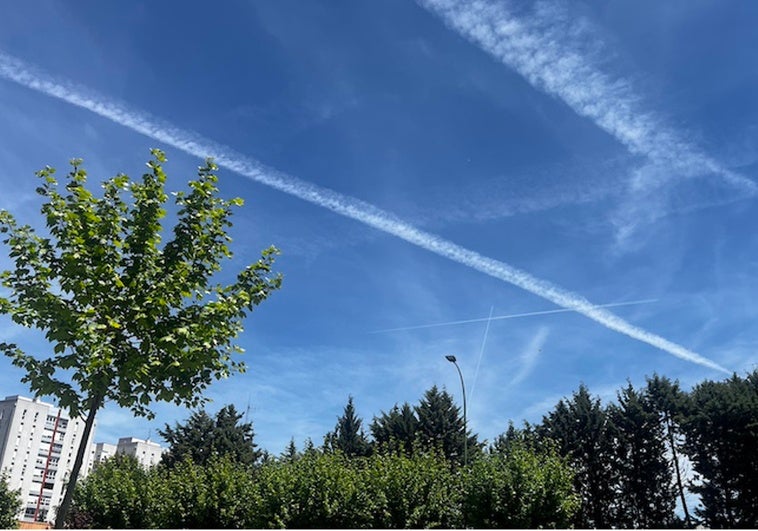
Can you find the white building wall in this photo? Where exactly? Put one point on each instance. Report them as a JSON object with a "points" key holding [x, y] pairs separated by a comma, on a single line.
{"points": [[37, 439], [147, 453], [100, 452]]}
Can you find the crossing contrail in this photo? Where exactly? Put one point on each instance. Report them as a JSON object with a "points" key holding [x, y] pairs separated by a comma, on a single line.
{"points": [[193, 144], [547, 52], [509, 316]]}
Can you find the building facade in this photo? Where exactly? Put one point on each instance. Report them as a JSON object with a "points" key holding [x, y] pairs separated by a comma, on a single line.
{"points": [[147, 452], [38, 445]]}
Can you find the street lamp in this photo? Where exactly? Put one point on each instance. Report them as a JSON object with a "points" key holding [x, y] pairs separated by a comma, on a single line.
{"points": [[452, 360]]}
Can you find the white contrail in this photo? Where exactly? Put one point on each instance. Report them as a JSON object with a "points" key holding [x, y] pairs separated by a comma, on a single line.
{"points": [[195, 145], [509, 316], [546, 49], [481, 352]]}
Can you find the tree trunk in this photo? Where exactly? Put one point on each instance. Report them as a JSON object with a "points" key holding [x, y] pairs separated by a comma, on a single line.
{"points": [[96, 403], [675, 458]]}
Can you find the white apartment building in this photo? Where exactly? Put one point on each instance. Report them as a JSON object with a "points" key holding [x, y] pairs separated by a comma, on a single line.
{"points": [[38, 444], [99, 452], [147, 453]]}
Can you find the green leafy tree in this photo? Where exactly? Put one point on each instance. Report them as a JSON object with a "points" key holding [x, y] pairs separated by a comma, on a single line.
{"points": [[130, 320], [440, 425], [10, 505], [519, 488], [646, 497], [201, 437], [348, 436], [396, 430], [581, 429], [413, 491], [319, 490], [219, 494], [118, 494], [721, 430], [668, 400]]}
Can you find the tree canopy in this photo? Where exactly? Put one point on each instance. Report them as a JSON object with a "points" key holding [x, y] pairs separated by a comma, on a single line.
{"points": [[348, 435], [10, 504], [202, 437], [440, 425], [130, 320]]}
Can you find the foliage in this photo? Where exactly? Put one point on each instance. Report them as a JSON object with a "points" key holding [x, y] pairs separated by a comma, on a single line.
{"points": [[290, 453], [516, 438], [348, 436], [316, 491], [416, 491], [10, 505], [581, 430], [519, 488], [440, 425], [396, 430], [327, 490], [721, 429], [219, 494], [119, 493], [130, 320], [667, 400], [645, 493], [202, 437]]}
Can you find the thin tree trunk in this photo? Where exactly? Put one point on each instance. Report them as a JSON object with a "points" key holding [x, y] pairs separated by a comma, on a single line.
{"points": [[60, 518], [675, 457]]}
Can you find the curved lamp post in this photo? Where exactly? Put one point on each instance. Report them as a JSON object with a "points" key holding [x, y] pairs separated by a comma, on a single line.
{"points": [[452, 360]]}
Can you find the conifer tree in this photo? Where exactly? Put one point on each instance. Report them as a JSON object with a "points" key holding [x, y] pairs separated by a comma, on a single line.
{"points": [[290, 453], [721, 429], [348, 436], [580, 427], [645, 496], [396, 430], [203, 436], [440, 425], [667, 399]]}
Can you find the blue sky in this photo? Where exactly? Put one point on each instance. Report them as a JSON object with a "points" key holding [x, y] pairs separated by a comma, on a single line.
{"points": [[421, 163]]}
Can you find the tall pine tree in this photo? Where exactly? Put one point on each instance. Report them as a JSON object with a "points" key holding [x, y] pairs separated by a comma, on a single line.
{"points": [[721, 429], [646, 496], [348, 436], [203, 436], [580, 427], [668, 399], [396, 430], [440, 426]]}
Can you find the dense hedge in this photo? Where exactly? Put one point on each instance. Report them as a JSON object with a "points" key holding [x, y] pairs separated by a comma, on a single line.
{"points": [[317, 490]]}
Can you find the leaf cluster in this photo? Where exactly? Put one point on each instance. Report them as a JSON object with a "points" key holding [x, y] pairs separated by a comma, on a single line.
{"points": [[10, 504], [130, 319]]}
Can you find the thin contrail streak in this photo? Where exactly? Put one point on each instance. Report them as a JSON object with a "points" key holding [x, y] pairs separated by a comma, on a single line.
{"points": [[18, 71], [547, 51], [481, 352], [510, 316]]}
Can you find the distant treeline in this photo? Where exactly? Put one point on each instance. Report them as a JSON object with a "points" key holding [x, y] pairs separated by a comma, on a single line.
{"points": [[586, 464]]}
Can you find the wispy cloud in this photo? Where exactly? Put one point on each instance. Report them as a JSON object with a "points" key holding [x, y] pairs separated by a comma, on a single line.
{"points": [[559, 56], [530, 354], [18, 71]]}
